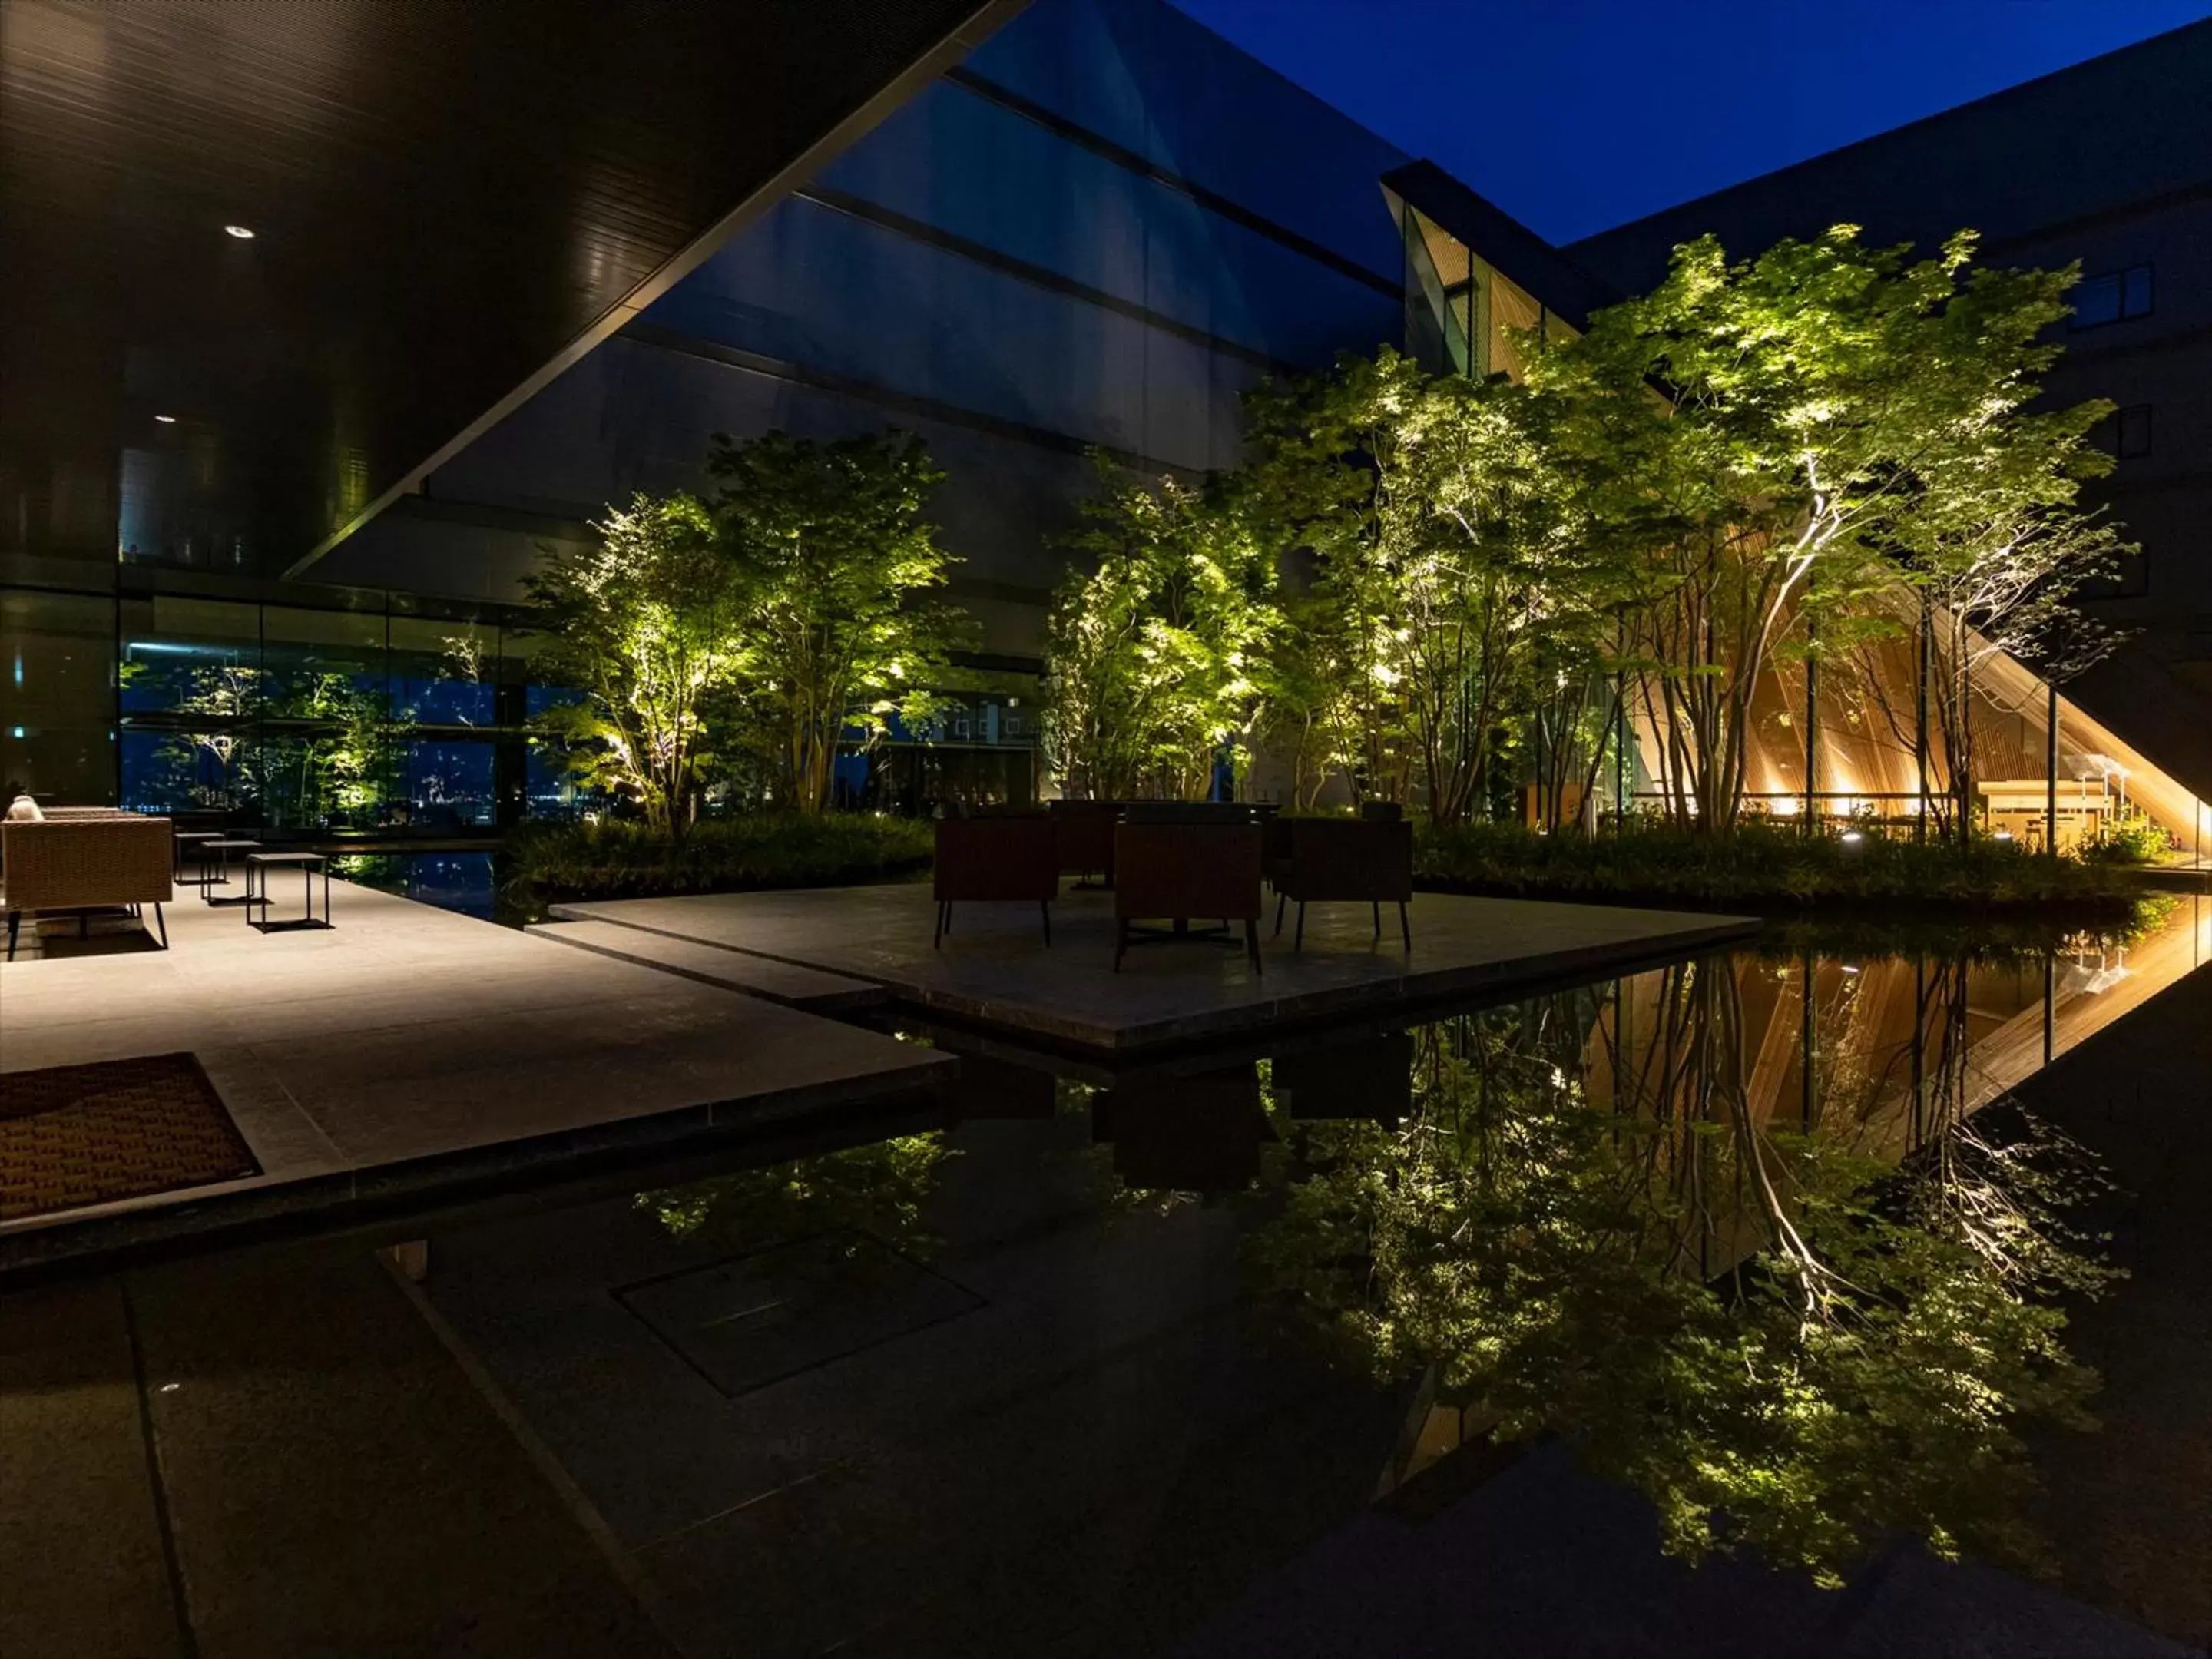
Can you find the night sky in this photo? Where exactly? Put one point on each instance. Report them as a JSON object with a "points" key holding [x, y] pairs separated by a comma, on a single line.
{"points": [[1574, 115]]}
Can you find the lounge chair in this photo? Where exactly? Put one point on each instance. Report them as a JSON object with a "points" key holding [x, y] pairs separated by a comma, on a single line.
{"points": [[87, 861], [1084, 836], [1350, 860], [1002, 859], [1180, 869]]}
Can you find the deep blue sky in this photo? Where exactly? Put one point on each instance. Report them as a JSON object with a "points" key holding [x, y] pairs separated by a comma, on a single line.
{"points": [[1574, 115]]}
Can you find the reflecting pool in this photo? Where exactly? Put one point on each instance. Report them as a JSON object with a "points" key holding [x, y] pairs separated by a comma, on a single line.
{"points": [[473, 883], [1626, 1318], [1074, 1359]]}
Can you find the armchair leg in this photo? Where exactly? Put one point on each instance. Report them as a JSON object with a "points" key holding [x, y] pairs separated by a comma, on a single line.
{"points": [[1299, 939], [15, 920], [1252, 946], [1405, 926], [1121, 943], [1378, 904], [161, 927], [1044, 909], [937, 939], [1281, 899]]}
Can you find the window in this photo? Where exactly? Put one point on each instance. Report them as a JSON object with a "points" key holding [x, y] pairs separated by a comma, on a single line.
{"points": [[2125, 433], [2112, 298], [2132, 431]]}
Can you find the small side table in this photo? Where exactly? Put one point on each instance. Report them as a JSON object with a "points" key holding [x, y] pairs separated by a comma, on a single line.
{"points": [[193, 842], [220, 849], [258, 867]]}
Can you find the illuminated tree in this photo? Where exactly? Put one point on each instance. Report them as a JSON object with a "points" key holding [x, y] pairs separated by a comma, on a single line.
{"points": [[838, 630], [1775, 444], [1152, 654], [1457, 618], [645, 625]]}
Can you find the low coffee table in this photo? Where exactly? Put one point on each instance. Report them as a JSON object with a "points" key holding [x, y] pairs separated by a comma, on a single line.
{"points": [[220, 850], [195, 842], [258, 867]]}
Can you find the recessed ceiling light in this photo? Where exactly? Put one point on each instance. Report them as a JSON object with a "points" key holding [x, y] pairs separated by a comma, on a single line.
{"points": [[166, 420], [239, 231]]}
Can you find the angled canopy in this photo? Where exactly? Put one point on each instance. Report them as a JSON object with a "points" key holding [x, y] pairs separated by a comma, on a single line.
{"points": [[447, 202]]}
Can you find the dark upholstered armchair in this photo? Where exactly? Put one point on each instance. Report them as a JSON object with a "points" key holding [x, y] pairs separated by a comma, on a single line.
{"points": [[1177, 870], [998, 860], [1353, 860], [1084, 835]]}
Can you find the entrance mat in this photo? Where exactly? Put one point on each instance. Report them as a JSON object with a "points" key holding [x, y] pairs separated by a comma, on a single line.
{"points": [[73, 1135]]}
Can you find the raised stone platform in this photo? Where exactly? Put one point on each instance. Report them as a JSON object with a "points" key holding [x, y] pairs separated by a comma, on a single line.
{"points": [[717, 964], [408, 1052], [995, 969]]}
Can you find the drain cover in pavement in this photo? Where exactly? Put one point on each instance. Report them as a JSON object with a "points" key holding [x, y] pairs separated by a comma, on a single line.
{"points": [[756, 1319]]}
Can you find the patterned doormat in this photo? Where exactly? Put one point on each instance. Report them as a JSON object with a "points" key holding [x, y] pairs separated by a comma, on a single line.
{"points": [[72, 1135]]}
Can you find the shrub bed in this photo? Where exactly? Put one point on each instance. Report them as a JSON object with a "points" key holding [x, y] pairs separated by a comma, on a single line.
{"points": [[1766, 867], [622, 859]]}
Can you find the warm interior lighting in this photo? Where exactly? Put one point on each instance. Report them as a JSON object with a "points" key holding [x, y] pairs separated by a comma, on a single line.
{"points": [[239, 231]]}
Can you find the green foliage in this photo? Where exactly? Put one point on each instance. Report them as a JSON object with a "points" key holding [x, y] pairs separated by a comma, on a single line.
{"points": [[747, 639], [2128, 838], [221, 706], [645, 625], [343, 768], [1152, 654], [1787, 1341], [1460, 608], [1754, 465], [624, 858], [843, 1200], [834, 630], [1761, 864], [1837, 421]]}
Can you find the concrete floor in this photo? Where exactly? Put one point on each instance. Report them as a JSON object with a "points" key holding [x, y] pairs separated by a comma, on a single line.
{"points": [[409, 1047], [995, 967]]}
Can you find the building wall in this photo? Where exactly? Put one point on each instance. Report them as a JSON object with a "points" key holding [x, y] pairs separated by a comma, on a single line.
{"points": [[1098, 232], [2109, 163]]}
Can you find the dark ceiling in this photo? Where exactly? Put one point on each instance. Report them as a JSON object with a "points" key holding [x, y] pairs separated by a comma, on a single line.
{"points": [[448, 199]]}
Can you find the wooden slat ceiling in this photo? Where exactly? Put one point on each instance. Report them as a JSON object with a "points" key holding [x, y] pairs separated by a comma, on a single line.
{"points": [[447, 196]]}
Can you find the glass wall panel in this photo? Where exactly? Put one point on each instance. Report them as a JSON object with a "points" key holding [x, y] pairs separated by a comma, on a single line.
{"points": [[447, 785], [57, 697]]}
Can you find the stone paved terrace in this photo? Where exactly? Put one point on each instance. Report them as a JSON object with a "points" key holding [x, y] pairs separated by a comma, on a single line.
{"points": [[994, 966], [409, 1049]]}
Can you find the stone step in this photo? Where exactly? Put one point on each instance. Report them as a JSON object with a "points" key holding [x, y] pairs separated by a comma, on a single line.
{"points": [[796, 987]]}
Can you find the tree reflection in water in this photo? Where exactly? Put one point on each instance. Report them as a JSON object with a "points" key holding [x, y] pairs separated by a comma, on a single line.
{"points": [[1792, 1337], [845, 1198]]}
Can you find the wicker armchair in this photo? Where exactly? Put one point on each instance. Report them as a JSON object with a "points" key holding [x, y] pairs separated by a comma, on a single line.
{"points": [[87, 862]]}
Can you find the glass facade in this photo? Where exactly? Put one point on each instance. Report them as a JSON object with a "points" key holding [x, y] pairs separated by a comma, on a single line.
{"points": [[1462, 314], [361, 720], [57, 696]]}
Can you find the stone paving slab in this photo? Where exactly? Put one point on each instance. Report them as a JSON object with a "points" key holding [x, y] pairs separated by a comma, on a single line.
{"points": [[995, 967], [716, 964], [409, 1048]]}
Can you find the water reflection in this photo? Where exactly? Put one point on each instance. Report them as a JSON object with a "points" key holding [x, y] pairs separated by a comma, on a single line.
{"points": [[471, 883], [1785, 1333], [1757, 1235]]}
